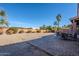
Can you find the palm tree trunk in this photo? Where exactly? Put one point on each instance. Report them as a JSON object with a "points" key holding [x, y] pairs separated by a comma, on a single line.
{"points": [[58, 26]]}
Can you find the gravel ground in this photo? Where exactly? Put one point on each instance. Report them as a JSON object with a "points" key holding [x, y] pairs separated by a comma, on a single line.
{"points": [[21, 49], [16, 38], [17, 45], [43, 46], [55, 46]]}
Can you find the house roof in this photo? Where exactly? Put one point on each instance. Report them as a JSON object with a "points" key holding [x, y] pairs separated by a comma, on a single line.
{"points": [[76, 17]]}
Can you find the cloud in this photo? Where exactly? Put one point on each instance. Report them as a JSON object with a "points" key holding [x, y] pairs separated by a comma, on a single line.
{"points": [[19, 24], [23, 24]]}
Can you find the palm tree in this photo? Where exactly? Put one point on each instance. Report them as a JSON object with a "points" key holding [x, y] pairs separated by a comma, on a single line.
{"points": [[55, 23], [58, 17], [2, 13], [4, 20], [71, 20]]}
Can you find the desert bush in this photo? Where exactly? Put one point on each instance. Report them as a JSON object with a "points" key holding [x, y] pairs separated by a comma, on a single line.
{"points": [[29, 31], [45, 31], [21, 31], [53, 31], [1, 31], [33, 32], [12, 30], [38, 31]]}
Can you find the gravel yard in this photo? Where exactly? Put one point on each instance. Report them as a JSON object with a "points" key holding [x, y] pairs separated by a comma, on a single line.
{"points": [[37, 44], [17, 45]]}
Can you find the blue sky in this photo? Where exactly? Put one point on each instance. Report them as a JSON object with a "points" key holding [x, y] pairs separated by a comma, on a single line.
{"points": [[37, 14]]}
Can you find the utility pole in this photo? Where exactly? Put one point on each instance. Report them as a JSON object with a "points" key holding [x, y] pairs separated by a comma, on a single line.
{"points": [[78, 10]]}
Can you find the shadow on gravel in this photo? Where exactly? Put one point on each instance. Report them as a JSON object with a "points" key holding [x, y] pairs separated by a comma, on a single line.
{"points": [[23, 49], [44, 46]]}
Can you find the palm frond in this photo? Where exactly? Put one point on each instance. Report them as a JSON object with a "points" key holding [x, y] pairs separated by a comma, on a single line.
{"points": [[2, 13]]}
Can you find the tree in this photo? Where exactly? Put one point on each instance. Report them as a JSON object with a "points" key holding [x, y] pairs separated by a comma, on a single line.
{"points": [[2, 13], [55, 23], [4, 20], [43, 27], [49, 28], [67, 26], [71, 20], [58, 18]]}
